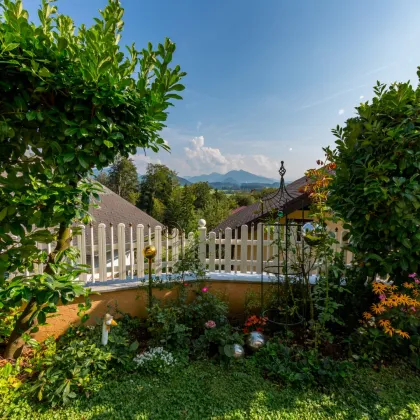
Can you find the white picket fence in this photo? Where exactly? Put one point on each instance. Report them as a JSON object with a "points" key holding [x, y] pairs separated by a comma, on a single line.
{"points": [[246, 250]]}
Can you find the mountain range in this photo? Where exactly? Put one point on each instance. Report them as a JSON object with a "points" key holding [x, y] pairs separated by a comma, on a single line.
{"points": [[232, 177]]}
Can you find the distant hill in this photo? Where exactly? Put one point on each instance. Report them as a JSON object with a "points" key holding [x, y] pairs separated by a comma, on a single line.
{"points": [[232, 177]]}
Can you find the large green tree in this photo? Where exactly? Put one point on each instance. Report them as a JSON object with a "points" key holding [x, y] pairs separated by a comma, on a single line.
{"points": [[71, 100], [158, 183], [123, 179], [376, 188]]}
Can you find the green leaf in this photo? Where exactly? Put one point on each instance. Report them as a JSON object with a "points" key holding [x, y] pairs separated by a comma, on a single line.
{"points": [[3, 213], [62, 43], [68, 157], [71, 131], [83, 162], [10, 47], [177, 87], [84, 132], [108, 143], [44, 72]]}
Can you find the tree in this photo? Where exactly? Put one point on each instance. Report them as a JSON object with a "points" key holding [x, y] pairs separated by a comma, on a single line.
{"points": [[158, 183], [71, 101], [202, 192], [123, 179], [376, 187], [243, 199], [180, 212], [102, 178]]}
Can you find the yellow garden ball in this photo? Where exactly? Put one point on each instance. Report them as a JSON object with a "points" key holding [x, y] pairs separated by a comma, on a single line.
{"points": [[149, 251]]}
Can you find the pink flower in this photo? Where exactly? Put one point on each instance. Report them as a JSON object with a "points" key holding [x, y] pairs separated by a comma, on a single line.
{"points": [[205, 289], [210, 324], [413, 275], [413, 309], [417, 281], [382, 297]]}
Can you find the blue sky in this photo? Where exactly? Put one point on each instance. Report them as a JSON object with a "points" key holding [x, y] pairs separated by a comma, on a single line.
{"points": [[267, 80]]}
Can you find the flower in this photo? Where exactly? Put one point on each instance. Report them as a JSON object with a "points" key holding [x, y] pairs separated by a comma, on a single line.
{"points": [[417, 281], [382, 296], [413, 309], [210, 324], [412, 275], [205, 289], [259, 329]]}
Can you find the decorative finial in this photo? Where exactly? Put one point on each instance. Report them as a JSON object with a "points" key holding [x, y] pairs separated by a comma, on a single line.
{"points": [[282, 170]]}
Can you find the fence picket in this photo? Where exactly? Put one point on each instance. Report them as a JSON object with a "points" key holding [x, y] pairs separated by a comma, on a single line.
{"points": [[244, 248], [212, 251], [121, 252], [102, 252], [140, 246]]}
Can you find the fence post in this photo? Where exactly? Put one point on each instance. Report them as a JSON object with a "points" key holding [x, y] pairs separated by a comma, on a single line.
{"points": [[202, 241], [92, 253], [212, 252], [244, 248], [228, 250], [121, 251], [259, 247], [140, 246], [158, 245], [102, 251]]}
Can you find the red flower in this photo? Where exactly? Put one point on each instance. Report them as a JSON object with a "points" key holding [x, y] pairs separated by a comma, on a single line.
{"points": [[259, 329], [245, 330]]}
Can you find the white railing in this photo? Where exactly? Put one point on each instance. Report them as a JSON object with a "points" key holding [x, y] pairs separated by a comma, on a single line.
{"points": [[245, 250]]}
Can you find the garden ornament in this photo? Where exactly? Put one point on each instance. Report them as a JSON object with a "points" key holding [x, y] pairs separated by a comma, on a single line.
{"points": [[255, 340], [106, 327], [150, 252], [238, 351]]}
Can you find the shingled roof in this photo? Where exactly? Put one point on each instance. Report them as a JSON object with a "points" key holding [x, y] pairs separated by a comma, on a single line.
{"points": [[254, 212], [114, 209]]}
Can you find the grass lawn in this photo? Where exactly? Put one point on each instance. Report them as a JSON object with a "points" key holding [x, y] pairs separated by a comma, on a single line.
{"points": [[203, 391]]}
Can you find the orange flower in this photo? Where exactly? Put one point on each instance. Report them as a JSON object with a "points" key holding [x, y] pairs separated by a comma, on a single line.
{"points": [[403, 334], [378, 287], [367, 315], [378, 308]]}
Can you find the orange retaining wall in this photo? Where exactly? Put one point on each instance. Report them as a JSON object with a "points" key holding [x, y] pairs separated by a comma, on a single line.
{"points": [[133, 301]]}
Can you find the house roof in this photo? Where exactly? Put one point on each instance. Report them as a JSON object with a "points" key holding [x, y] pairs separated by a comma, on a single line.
{"points": [[257, 210], [113, 209]]}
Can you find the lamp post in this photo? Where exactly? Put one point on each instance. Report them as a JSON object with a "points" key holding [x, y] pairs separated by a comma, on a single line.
{"points": [[150, 252]]}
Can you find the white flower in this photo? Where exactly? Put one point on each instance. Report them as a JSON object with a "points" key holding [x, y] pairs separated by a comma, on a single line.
{"points": [[154, 354]]}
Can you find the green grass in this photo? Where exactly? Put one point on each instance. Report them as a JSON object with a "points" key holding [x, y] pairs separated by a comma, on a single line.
{"points": [[204, 391]]}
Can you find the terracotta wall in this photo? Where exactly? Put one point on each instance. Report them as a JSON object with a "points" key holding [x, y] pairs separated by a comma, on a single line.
{"points": [[133, 301]]}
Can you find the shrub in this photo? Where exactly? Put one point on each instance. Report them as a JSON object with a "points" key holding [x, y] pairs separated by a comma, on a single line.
{"points": [[77, 363], [376, 186], [293, 365]]}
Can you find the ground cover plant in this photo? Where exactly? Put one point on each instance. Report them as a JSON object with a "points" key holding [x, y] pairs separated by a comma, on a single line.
{"points": [[203, 390]]}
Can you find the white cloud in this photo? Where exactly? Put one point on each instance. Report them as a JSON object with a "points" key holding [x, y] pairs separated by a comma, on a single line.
{"points": [[141, 160], [204, 159], [290, 149], [340, 111], [361, 96]]}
